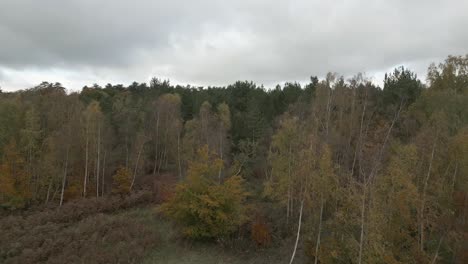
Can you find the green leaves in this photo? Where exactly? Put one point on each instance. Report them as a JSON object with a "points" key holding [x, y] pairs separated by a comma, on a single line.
{"points": [[401, 87]]}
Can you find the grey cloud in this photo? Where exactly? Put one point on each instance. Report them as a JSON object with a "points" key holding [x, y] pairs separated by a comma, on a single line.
{"points": [[217, 42]]}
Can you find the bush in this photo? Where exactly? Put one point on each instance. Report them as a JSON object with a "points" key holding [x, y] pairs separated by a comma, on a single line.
{"points": [[122, 180], [209, 212], [260, 232], [164, 187], [204, 207]]}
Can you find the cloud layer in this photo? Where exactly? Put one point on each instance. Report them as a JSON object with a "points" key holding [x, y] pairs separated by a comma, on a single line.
{"points": [[211, 42]]}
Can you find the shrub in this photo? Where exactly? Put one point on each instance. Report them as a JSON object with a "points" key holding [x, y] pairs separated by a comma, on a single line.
{"points": [[122, 181], [260, 232], [204, 207]]}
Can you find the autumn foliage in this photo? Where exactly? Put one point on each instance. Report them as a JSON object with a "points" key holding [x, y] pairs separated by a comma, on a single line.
{"points": [[342, 170], [121, 181], [205, 207], [260, 232], [14, 189]]}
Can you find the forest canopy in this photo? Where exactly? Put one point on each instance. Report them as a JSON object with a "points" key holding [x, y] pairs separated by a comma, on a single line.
{"points": [[354, 172]]}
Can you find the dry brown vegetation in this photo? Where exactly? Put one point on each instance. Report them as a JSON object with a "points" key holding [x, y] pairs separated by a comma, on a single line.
{"points": [[79, 232]]}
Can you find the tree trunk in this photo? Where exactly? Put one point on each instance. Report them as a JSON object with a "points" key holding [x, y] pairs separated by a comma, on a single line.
{"points": [[86, 160], [361, 240], [98, 160], [64, 177], [367, 182], [437, 251], [454, 176], [220, 154], [178, 156], [103, 177], [298, 232], [317, 245], [161, 160], [164, 157], [48, 191], [164, 151], [387, 136], [127, 151], [353, 110], [156, 146], [30, 173], [288, 209], [423, 198], [358, 147], [55, 192], [327, 121], [136, 166]]}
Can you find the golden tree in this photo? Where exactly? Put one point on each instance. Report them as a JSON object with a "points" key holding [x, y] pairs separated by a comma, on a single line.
{"points": [[205, 207], [122, 181]]}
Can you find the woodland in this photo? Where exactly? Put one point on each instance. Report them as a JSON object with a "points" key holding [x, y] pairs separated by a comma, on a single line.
{"points": [[335, 170]]}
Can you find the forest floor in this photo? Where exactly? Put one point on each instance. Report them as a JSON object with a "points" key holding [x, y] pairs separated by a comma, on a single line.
{"points": [[173, 249], [112, 233]]}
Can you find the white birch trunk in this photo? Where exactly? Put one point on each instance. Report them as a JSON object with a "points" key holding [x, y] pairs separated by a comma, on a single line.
{"points": [[86, 159], [136, 166], [64, 180], [156, 146], [298, 232], [103, 177], [178, 156], [98, 160], [361, 240], [317, 245]]}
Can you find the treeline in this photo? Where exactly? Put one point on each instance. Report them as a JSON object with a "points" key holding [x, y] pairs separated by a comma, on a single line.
{"points": [[358, 173]]}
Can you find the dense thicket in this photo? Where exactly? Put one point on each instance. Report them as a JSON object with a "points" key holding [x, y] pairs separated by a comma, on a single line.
{"points": [[358, 173]]}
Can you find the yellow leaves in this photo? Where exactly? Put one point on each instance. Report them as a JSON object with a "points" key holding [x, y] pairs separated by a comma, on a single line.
{"points": [[203, 206], [206, 164], [393, 215], [173, 99], [93, 114], [208, 201], [325, 180], [288, 134], [122, 181]]}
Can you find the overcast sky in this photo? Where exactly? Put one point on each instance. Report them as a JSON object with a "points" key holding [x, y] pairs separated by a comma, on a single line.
{"points": [[209, 42]]}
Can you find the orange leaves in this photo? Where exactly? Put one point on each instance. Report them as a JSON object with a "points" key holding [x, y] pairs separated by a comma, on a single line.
{"points": [[260, 232]]}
